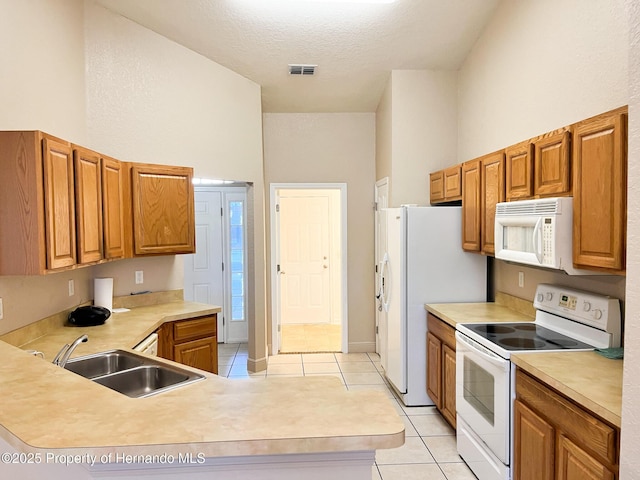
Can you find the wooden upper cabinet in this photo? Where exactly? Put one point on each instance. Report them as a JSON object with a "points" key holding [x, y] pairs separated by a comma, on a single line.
{"points": [[59, 201], [88, 189], [492, 192], [471, 206], [163, 211], [436, 186], [453, 183], [552, 165], [519, 171], [446, 185], [115, 199], [600, 192]]}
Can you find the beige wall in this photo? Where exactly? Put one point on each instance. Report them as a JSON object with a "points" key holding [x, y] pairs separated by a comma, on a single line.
{"points": [[152, 100], [42, 82], [384, 133], [539, 66], [334, 148], [137, 97], [629, 459], [417, 130]]}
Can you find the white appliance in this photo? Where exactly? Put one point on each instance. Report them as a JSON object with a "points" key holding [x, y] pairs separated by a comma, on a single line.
{"points": [[537, 232], [424, 263], [149, 345], [566, 320]]}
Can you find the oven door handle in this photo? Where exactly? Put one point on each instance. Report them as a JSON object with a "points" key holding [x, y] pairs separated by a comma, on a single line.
{"points": [[485, 353]]}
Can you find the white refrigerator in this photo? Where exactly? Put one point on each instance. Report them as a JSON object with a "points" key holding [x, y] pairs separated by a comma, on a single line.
{"points": [[424, 263]]}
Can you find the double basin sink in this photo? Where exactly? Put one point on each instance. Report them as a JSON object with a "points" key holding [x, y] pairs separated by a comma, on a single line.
{"points": [[133, 375]]}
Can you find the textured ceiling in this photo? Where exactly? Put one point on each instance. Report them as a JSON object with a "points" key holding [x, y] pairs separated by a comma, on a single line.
{"points": [[355, 45]]}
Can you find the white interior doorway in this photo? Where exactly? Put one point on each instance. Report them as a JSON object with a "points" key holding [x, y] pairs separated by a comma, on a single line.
{"points": [[217, 273], [381, 201], [308, 257]]}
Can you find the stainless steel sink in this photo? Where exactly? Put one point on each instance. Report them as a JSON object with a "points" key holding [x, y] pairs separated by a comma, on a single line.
{"points": [[130, 374], [104, 363]]}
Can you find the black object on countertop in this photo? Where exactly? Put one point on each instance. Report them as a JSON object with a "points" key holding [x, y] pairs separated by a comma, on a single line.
{"points": [[89, 316]]}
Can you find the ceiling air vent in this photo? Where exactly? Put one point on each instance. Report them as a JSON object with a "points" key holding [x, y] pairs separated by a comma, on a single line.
{"points": [[302, 69]]}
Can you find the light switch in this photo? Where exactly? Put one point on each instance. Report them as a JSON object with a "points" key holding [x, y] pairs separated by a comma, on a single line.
{"points": [[72, 288], [139, 277], [521, 279], [1, 312]]}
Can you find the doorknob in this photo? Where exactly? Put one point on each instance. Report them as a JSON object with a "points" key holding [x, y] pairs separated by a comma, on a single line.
{"points": [[325, 266]]}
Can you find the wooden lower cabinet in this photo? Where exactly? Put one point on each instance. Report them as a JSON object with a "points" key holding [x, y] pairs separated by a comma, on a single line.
{"points": [[441, 367], [192, 342], [555, 439]]}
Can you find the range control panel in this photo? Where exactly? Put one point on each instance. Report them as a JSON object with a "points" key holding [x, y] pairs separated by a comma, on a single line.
{"points": [[599, 311]]}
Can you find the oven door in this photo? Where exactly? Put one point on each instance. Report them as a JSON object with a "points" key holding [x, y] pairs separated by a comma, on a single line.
{"points": [[483, 394]]}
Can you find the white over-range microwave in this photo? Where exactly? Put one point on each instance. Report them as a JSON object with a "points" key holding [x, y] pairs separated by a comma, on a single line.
{"points": [[537, 232]]}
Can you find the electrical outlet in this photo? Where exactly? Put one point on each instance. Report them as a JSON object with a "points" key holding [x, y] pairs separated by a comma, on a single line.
{"points": [[521, 279], [1, 311], [72, 288], [139, 277]]}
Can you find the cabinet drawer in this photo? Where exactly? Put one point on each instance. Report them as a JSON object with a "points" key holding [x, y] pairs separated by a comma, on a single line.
{"points": [[591, 433], [194, 328], [442, 330]]}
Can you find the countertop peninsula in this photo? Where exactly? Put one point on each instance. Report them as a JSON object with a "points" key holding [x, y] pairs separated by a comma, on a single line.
{"points": [[47, 407]]}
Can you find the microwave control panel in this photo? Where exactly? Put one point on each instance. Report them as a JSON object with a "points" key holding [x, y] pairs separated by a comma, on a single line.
{"points": [[547, 241]]}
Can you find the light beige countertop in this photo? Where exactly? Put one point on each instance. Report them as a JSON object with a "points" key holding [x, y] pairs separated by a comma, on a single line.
{"points": [[121, 330], [589, 379], [454, 313], [47, 407]]}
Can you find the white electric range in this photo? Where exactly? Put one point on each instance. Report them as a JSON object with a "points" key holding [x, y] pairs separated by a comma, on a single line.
{"points": [[566, 320]]}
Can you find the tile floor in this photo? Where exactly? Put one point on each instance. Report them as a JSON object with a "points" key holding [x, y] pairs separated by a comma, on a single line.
{"points": [[429, 451]]}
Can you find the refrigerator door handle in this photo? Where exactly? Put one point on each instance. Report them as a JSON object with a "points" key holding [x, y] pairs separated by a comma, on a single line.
{"points": [[384, 288]]}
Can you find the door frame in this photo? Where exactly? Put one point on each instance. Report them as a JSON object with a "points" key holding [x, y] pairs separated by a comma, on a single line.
{"points": [[275, 248], [379, 184]]}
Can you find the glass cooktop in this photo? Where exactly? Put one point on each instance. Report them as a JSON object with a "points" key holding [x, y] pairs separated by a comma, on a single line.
{"points": [[525, 336]]}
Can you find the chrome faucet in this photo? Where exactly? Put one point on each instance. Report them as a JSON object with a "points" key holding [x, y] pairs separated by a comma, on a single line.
{"points": [[65, 352]]}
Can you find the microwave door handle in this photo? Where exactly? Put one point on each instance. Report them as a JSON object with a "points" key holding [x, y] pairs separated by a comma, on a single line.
{"points": [[537, 240]]}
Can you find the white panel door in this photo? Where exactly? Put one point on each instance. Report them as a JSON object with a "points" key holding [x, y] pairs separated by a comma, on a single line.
{"points": [[203, 280], [304, 259], [382, 201]]}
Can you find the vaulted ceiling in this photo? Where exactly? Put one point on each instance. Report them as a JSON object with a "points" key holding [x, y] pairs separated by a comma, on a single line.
{"points": [[354, 44]]}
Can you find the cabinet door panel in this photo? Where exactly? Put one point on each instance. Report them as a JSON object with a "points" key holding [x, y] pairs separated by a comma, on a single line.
{"points": [[533, 445], [600, 185], [492, 192], [453, 183], [434, 369], [449, 384], [113, 198], [519, 171], [471, 179], [200, 354], [576, 464], [88, 187], [436, 186], [60, 212], [552, 165], [163, 212]]}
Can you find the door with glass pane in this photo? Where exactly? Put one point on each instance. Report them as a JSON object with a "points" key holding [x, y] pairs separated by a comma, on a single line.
{"points": [[236, 323], [217, 273], [203, 276]]}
